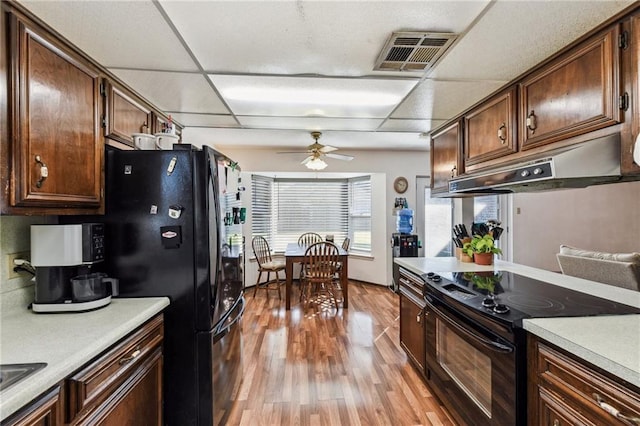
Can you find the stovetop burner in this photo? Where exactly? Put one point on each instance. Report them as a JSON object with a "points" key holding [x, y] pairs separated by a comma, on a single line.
{"points": [[510, 297]]}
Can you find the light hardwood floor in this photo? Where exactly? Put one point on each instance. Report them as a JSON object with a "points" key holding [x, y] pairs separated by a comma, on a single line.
{"points": [[316, 366]]}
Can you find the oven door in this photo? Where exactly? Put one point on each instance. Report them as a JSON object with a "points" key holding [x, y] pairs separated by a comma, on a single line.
{"points": [[470, 369]]}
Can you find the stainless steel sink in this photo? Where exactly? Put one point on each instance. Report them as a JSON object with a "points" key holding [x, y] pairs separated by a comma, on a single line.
{"points": [[10, 374]]}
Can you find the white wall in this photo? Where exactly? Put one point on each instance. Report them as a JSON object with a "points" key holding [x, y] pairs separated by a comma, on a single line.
{"points": [[384, 166], [602, 218], [15, 238]]}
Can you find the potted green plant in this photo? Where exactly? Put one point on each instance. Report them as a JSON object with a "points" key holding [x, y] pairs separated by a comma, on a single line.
{"points": [[482, 248]]}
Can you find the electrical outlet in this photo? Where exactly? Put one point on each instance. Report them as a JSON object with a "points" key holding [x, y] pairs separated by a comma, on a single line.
{"points": [[10, 258]]}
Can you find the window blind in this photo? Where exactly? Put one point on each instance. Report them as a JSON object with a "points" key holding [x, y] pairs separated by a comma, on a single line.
{"points": [[261, 207], [301, 206], [283, 209], [360, 213]]}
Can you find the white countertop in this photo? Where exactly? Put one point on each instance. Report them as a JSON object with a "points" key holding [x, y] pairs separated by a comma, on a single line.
{"points": [[64, 341], [609, 342]]}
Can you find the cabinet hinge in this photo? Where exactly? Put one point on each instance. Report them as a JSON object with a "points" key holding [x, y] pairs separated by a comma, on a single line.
{"points": [[103, 121], [623, 40], [623, 102], [103, 91]]}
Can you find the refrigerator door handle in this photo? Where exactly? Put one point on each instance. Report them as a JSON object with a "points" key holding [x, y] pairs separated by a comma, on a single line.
{"points": [[227, 321], [218, 227]]}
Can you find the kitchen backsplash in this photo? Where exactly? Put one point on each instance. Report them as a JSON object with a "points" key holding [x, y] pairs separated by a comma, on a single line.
{"points": [[599, 218], [15, 237]]}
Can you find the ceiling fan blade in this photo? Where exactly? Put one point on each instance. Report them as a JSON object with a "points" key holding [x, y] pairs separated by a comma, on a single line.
{"points": [[327, 148], [340, 157], [292, 152], [306, 160]]}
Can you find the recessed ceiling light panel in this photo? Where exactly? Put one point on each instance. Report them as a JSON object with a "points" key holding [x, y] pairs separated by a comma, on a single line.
{"points": [[312, 96]]}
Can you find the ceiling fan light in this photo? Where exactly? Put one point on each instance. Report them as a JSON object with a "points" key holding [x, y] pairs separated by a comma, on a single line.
{"points": [[316, 164]]}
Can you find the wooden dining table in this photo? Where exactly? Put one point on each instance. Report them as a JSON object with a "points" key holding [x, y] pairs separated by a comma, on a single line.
{"points": [[295, 254]]}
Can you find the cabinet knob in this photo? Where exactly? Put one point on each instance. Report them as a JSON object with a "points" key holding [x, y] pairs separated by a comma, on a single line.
{"points": [[531, 122], [502, 133], [44, 171]]}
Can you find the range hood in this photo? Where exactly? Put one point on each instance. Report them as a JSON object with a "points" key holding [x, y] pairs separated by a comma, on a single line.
{"points": [[577, 166]]}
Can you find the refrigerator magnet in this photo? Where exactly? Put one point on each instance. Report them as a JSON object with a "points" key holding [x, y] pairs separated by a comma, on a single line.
{"points": [[172, 165], [153, 209], [175, 211], [171, 236]]}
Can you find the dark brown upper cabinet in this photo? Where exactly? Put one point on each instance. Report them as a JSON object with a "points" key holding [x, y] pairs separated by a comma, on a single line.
{"points": [[55, 136], [574, 94], [445, 156], [126, 114], [631, 132], [490, 130]]}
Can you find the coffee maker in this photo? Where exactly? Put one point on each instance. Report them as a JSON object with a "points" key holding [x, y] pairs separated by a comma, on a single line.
{"points": [[63, 257]]}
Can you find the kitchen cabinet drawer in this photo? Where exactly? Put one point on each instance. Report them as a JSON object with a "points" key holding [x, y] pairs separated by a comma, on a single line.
{"points": [[491, 129], [571, 388], [574, 94], [445, 156], [99, 380], [44, 411], [126, 114], [54, 154], [554, 412]]}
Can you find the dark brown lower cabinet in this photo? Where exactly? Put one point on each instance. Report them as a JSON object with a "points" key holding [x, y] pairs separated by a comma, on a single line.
{"points": [[44, 411], [412, 333], [122, 387], [565, 390], [137, 402]]}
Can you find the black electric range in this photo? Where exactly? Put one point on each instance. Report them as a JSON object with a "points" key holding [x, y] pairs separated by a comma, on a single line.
{"points": [[508, 298]]}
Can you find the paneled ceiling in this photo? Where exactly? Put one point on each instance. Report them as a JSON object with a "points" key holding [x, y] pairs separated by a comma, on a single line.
{"points": [[266, 73]]}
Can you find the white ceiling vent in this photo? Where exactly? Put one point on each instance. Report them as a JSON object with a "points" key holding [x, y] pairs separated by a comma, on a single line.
{"points": [[413, 51]]}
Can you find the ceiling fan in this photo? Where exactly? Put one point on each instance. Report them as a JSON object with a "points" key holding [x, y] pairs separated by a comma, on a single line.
{"points": [[316, 151]]}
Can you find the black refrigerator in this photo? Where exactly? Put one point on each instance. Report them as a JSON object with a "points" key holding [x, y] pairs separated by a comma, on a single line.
{"points": [[173, 228]]}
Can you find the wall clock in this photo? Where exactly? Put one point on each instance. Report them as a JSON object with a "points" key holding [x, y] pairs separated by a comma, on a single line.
{"points": [[400, 185]]}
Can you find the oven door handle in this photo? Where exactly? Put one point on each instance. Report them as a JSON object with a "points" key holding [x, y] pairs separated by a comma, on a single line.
{"points": [[495, 346]]}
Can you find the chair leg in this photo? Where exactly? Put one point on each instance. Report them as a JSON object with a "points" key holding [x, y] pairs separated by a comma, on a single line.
{"points": [[278, 284], [267, 284], [257, 283], [333, 294]]}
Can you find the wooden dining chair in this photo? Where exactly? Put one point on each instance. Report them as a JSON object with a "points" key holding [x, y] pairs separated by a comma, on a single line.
{"points": [[309, 238], [266, 264], [319, 268], [345, 246]]}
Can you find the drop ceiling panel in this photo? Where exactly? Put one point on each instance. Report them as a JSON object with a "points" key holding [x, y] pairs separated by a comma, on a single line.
{"points": [[410, 125], [311, 96], [129, 34], [514, 36], [204, 120], [279, 139], [171, 91], [320, 37], [442, 100], [310, 123]]}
